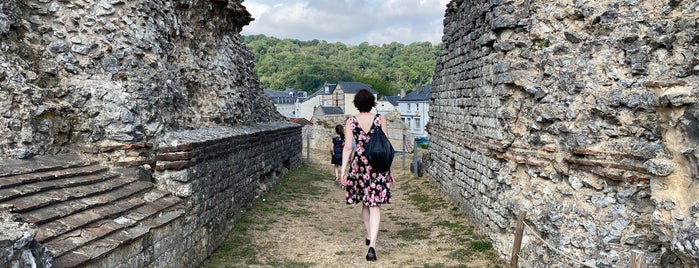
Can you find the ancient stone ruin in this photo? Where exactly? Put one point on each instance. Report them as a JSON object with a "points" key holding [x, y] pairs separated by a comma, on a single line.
{"points": [[584, 115], [132, 133]]}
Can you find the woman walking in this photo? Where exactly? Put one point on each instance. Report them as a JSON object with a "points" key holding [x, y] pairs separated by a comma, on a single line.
{"points": [[338, 145], [363, 184]]}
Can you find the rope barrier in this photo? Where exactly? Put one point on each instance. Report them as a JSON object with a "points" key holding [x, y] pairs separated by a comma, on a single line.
{"points": [[564, 254]]}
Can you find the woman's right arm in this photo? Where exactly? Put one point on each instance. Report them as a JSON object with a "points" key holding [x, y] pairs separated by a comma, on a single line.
{"points": [[346, 151], [332, 146]]}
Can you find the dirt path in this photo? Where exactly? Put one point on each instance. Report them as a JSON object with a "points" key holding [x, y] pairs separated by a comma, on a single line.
{"points": [[304, 222]]}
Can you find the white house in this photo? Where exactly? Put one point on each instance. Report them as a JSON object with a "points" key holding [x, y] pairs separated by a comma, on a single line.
{"points": [[332, 95], [387, 105], [285, 101], [413, 110]]}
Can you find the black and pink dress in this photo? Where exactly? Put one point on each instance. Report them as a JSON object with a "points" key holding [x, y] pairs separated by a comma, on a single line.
{"points": [[363, 184]]}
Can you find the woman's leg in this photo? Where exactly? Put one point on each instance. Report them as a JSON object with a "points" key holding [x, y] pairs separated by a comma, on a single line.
{"points": [[365, 217], [374, 220], [337, 172]]}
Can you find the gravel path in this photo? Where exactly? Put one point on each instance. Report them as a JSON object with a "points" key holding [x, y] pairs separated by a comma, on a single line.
{"points": [[303, 222]]}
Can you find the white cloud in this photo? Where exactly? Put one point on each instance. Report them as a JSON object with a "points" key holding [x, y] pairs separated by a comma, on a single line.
{"points": [[348, 21]]}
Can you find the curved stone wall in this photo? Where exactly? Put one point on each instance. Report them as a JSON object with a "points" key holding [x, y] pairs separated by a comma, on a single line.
{"points": [[583, 114], [88, 74]]}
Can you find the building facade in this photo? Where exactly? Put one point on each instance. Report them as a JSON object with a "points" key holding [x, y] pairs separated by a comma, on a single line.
{"points": [[339, 95], [285, 101], [413, 110]]}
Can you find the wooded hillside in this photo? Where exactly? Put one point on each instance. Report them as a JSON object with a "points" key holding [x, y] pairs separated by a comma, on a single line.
{"points": [[306, 65]]}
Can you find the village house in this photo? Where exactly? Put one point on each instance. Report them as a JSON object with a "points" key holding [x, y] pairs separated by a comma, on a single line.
{"points": [[388, 105], [331, 114], [331, 95], [285, 101], [413, 109]]}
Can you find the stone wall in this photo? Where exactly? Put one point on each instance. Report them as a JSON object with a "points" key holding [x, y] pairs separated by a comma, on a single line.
{"points": [[167, 87], [17, 245], [220, 172], [80, 74], [322, 132], [583, 114]]}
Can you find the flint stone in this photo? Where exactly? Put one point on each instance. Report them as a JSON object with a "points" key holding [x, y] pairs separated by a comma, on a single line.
{"points": [[660, 167]]}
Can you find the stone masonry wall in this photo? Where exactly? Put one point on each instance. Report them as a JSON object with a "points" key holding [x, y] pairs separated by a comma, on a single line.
{"points": [[220, 172], [77, 74], [17, 245], [584, 114], [165, 86]]}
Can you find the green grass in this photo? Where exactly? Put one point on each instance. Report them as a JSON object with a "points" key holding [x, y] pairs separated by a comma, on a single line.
{"points": [[294, 186], [460, 255], [288, 199], [441, 265], [238, 250], [481, 245], [290, 264], [425, 202], [414, 233]]}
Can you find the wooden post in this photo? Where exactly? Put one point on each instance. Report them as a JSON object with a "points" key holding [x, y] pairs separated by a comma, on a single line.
{"points": [[518, 240], [308, 147], [636, 259], [405, 149], [414, 158]]}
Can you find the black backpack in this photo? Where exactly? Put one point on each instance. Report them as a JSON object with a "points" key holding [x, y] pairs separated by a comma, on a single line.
{"points": [[379, 151]]}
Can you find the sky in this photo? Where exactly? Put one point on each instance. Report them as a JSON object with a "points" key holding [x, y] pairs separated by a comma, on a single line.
{"points": [[348, 21]]}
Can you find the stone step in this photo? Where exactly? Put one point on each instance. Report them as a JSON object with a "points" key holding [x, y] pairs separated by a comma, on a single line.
{"points": [[41, 199], [11, 167], [98, 203], [44, 185], [35, 176], [95, 240], [83, 210]]}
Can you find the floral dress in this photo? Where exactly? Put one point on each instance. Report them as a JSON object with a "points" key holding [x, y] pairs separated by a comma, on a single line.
{"points": [[363, 184]]}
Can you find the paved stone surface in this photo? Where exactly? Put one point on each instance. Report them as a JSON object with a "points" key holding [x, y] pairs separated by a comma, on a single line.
{"points": [[81, 211]]}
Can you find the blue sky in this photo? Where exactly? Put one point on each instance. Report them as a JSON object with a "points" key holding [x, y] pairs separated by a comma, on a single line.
{"points": [[348, 21]]}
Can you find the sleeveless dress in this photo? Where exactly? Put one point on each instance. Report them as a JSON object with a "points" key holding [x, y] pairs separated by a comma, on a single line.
{"points": [[363, 184], [338, 145]]}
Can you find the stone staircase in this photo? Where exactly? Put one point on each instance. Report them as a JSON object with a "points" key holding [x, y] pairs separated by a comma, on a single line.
{"points": [[83, 210]]}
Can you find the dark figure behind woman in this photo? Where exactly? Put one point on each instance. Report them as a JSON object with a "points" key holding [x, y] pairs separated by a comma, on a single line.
{"points": [[338, 144]]}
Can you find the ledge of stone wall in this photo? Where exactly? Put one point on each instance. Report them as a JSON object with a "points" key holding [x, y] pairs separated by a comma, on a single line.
{"points": [[220, 172]]}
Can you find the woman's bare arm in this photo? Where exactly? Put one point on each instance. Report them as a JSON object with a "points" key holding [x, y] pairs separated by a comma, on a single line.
{"points": [[346, 151]]}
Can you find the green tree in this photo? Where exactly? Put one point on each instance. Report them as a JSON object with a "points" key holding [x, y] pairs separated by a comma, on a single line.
{"points": [[306, 65]]}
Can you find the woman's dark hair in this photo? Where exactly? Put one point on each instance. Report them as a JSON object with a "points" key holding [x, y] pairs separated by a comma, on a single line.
{"points": [[364, 101], [340, 130]]}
